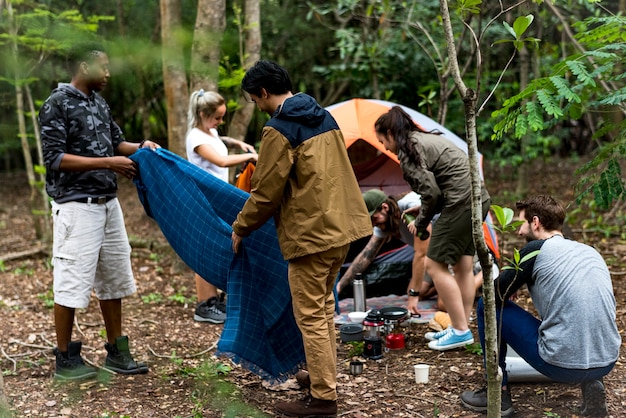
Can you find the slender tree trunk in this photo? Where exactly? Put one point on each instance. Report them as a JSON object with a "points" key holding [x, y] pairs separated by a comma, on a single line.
{"points": [[470, 100], [174, 77], [207, 39], [40, 185], [522, 172], [4, 403], [35, 208], [252, 53]]}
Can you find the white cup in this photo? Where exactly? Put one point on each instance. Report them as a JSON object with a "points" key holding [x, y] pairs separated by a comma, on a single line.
{"points": [[421, 373]]}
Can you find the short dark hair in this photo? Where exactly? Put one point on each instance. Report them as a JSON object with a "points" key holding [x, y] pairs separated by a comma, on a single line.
{"points": [[551, 213], [268, 75], [83, 52]]}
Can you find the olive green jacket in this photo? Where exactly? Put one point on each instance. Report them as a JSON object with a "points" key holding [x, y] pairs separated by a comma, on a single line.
{"points": [[441, 177]]}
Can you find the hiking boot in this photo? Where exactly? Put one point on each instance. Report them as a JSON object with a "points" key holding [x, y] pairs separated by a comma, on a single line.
{"points": [[303, 379], [432, 336], [120, 360], [308, 407], [594, 399], [70, 365], [477, 401], [209, 311], [450, 340], [221, 302]]}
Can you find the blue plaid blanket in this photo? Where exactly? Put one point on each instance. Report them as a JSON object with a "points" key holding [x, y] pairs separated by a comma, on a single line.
{"points": [[195, 211]]}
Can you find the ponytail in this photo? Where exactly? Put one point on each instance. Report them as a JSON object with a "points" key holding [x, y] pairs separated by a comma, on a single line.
{"points": [[201, 104]]}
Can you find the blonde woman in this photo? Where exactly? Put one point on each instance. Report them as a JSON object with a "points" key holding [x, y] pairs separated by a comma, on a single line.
{"points": [[209, 151]]}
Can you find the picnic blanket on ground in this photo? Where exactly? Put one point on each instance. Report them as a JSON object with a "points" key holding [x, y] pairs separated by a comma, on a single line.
{"points": [[195, 211], [426, 307]]}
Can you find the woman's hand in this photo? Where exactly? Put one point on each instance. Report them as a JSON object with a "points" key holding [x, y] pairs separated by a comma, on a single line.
{"points": [[411, 305]]}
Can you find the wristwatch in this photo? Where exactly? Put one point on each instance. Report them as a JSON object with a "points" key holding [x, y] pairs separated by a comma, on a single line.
{"points": [[413, 292]]}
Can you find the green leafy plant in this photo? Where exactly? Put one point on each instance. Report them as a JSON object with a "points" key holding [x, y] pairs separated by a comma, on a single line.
{"points": [[474, 348], [47, 298], [356, 348], [24, 270], [180, 297], [152, 298], [582, 83]]}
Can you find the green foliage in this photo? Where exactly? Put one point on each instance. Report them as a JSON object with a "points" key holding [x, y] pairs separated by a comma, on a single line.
{"points": [[596, 220], [356, 348], [152, 298], [474, 348], [179, 297], [27, 271], [583, 82], [504, 216], [47, 298], [211, 391], [519, 28]]}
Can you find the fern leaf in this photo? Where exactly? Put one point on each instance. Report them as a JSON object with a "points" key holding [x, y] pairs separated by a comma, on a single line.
{"points": [[521, 126], [534, 116], [578, 69], [562, 87], [550, 106]]}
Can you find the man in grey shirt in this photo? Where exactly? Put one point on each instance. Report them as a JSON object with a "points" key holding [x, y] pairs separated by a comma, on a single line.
{"points": [[575, 339]]}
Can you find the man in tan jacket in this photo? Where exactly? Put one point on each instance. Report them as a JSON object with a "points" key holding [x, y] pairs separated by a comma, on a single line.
{"points": [[304, 179]]}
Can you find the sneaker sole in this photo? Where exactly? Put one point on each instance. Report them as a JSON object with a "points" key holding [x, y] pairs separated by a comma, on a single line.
{"points": [[139, 370], [505, 413], [285, 414], [199, 318], [90, 375], [431, 337], [433, 345]]}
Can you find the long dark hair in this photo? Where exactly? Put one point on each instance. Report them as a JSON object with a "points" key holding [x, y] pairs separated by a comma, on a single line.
{"points": [[397, 122]]}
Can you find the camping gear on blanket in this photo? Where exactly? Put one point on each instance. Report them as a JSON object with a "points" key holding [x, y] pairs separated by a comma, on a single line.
{"points": [[393, 316], [427, 308], [194, 210], [351, 332], [394, 340], [373, 342], [358, 288]]}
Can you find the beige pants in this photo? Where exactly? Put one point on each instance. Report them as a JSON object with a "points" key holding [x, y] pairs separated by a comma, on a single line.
{"points": [[311, 280]]}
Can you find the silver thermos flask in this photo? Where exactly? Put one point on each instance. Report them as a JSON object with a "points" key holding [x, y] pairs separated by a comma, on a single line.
{"points": [[358, 287]]}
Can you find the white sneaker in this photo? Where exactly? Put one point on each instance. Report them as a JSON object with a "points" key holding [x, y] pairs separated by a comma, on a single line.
{"points": [[432, 336], [451, 340]]}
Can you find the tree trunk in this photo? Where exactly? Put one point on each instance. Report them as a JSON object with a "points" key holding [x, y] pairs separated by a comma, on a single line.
{"points": [[174, 77], [207, 39], [470, 99], [252, 53], [40, 184], [35, 209], [522, 172], [4, 403]]}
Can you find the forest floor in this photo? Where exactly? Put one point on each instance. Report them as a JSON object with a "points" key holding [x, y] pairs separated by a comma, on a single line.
{"points": [[186, 380]]}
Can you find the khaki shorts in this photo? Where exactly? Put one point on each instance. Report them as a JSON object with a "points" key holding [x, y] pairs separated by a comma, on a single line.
{"points": [[90, 252], [452, 235]]}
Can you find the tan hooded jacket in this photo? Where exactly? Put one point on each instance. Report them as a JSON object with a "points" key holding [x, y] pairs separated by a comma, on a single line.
{"points": [[304, 179]]}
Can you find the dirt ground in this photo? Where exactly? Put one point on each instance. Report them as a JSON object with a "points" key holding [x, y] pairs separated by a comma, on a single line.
{"points": [[186, 380]]}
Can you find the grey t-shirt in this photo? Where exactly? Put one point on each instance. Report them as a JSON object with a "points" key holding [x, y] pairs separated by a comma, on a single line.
{"points": [[573, 295], [571, 289]]}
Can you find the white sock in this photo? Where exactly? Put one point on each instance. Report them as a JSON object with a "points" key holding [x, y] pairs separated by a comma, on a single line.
{"points": [[457, 332]]}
